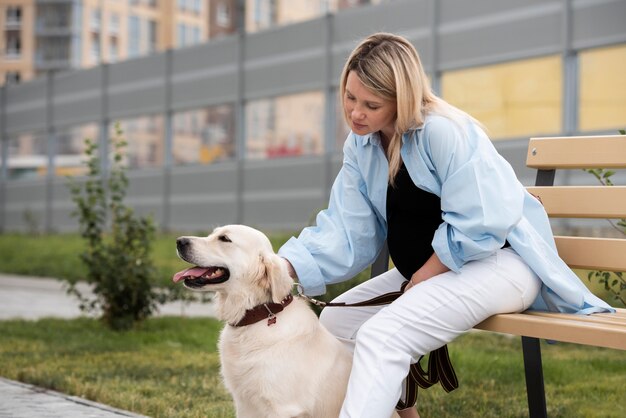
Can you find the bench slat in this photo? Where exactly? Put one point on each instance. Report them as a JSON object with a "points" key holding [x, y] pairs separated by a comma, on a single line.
{"points": [[593, 253], [608, 319], [579, 152], [582, 201], [562, 327]]}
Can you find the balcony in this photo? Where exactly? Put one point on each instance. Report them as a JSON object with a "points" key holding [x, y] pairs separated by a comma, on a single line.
{"points": [[12, 23], [51, 64], [48, 61], [12, 54], [48, 29], [54, 1]]}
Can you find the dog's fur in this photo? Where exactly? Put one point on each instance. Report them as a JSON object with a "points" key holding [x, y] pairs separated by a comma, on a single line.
{"points": [[293, 368]]}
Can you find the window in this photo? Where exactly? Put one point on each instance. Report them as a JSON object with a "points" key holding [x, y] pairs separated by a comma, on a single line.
{"points": [[96, 17], [114, 24], [223, 15], [13, 45], [602, 87], [195, 35], [515, 99], [182, 35], [259, 14], [13, 16], [95, 48], [152, 36], [285, 126], [114, 52], [204, 136], [134, 36]]}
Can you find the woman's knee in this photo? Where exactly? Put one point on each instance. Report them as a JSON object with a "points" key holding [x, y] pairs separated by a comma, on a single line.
{"points": [[375, 331]]}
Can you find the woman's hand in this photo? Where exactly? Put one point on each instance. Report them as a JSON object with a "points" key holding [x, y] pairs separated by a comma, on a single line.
{"points": [[432, 267], [416, 278]]}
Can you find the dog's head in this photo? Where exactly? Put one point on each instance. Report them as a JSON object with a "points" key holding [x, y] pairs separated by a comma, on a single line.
{"points": [[235, 261]]}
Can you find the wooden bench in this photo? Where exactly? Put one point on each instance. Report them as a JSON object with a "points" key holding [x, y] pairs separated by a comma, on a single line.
{"points": [[602, 330]]}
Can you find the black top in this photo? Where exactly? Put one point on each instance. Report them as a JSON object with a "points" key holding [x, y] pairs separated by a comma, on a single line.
{"points": [[413, 216]]}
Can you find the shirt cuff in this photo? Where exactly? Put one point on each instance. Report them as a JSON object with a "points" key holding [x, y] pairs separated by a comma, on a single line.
{"points": [[442, 249], [307, 270]]}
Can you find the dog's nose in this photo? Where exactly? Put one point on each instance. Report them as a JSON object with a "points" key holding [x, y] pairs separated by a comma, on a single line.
{"points": [[182, 243]]}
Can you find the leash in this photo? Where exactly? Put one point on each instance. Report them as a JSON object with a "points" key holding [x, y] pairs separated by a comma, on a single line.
{"points": [[439, 368]]}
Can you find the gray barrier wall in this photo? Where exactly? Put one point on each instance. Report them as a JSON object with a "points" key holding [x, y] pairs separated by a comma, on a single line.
{"points": [[285, 193]]}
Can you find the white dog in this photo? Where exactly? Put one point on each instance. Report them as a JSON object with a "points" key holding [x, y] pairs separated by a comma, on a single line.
{"points": [[286, 364]]}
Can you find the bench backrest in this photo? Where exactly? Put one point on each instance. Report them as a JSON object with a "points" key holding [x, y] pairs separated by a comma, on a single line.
{"points": [[602, 202]]}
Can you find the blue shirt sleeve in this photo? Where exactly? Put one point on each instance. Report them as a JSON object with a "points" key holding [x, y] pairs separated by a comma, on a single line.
{"points": [[481, 198], [347, 236]]}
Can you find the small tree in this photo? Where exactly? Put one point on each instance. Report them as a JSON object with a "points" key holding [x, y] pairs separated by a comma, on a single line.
{"points": [[613, 282], [118, 243]]}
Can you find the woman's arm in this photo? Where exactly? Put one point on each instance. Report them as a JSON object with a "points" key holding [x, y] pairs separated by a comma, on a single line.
{"points": [[432, 267], [347, 236], [481, 198]]}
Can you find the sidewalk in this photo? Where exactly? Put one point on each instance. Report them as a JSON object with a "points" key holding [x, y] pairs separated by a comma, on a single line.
{"points": [[19, 400], [23, 297], [32, 298]]}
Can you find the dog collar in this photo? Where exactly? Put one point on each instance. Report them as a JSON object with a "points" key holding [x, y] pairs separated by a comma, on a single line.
{"points": [[265, 311]]}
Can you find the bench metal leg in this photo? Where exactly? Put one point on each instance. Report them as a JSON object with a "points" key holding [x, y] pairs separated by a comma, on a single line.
{"points": [[534, 378]]}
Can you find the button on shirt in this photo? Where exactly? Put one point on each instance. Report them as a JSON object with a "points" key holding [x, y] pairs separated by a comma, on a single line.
{"points": [[483, 205]]}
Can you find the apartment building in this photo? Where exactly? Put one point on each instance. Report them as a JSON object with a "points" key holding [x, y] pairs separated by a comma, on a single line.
{"points": [[17, 54], [39, 36]]}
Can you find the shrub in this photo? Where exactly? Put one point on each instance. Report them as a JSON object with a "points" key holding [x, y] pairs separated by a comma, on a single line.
{"points": [[118, 243]]}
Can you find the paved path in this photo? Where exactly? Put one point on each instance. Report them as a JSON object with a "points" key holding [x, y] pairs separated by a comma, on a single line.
{"points": [[19, 400], [33, 298]]}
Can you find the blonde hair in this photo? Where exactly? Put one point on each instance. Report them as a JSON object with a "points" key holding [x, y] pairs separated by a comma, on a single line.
{"points": [[389, 67]]}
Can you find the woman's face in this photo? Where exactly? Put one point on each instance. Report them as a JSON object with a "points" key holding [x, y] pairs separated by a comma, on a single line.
{"points": [[367, 112]]}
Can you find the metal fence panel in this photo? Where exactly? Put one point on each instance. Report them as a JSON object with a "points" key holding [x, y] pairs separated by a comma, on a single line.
{"points": [[77, 97], [598, 23], [497, 35], [26, 106], [205, 75], [285, 60], [137, 87]]}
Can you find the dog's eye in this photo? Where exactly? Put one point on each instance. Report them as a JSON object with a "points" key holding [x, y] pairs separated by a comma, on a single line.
{"points": [[224, 238]]}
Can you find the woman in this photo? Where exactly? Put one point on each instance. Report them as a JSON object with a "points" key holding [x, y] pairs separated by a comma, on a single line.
{"points": [[460, 227]]}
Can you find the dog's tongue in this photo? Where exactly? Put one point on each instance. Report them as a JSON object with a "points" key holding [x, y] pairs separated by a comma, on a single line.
{"points": [[190, 272]]}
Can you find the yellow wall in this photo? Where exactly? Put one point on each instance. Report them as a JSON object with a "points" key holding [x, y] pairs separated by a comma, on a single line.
{"points": [[603, 88], [514, 99]]}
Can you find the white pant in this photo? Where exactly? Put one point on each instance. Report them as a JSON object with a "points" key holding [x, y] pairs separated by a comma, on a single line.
{"points": [[386, 340]]}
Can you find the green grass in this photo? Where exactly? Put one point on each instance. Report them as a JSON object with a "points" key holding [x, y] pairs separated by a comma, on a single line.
{"points": [[169, 367], [57, 255]]}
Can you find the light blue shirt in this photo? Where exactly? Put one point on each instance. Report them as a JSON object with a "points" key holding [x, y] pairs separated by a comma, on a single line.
{"points": [[482, 203]]}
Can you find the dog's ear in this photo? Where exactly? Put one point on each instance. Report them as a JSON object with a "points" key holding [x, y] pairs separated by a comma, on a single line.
{"points": [[273, 276]]}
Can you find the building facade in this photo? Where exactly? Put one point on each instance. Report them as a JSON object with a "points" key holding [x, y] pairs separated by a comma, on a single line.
{"points": [[40, 36]]}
